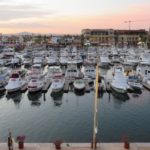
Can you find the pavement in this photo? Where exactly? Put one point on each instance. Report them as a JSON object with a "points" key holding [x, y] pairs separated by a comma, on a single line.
{"points": [[78, 146]]}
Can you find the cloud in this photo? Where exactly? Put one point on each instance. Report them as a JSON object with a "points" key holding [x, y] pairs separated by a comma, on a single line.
{"points": [[12, 12]]}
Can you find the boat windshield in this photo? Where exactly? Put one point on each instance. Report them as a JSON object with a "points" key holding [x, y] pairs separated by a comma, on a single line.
{"points": [[15, 75]]}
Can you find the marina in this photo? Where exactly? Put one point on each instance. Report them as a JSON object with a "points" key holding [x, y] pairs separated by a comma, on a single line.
{"points": [[57, 100]]}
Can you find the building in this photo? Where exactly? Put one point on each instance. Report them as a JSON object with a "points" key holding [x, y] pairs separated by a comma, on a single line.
{"points": [[109, 37], [148, 39], [103, 37], [129, 37]]}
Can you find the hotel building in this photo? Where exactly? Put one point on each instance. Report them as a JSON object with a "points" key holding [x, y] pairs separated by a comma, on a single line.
{"points": [[109, 37]]}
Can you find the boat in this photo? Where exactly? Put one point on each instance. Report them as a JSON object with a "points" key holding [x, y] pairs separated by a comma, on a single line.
{"points": [[72, 71], [134, 82], [15, 83], [52, 70], [27, 62], [146, 83], [104, 62], [88, 71], [145, 58], [119, 82], [131, 60], [15, 61], [52, 60], [4, 77], [35, 71], [79, 85], [58, 82], [35, 84]]}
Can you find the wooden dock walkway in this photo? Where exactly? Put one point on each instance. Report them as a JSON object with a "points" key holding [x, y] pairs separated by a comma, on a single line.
{"points": [[46, 85], [78, 146], [24, 88]]}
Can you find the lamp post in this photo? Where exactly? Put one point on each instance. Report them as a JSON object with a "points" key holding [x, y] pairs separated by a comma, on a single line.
{"points": [[95, 128]]}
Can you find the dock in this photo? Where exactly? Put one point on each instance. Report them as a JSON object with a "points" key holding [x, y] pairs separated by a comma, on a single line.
{"points": [[87, 87], [66, 86], [78, 146], [24, 88], [46, 86], [68, 81]]}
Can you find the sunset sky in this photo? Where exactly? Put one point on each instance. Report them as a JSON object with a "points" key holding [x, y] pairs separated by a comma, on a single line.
{"points": [[70, 16]]}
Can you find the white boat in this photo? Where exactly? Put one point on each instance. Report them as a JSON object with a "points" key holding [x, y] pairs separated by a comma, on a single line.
{"points": [[58, 82], [8, 51], [16, 61], [35, 84], [88, 71], [146, 83], [119, 82], [79, 84], [27, 62], [63, 60], [72, 72], [134, 82], [35, 71], [4, 77], [131, 60], [104, 62], [52, 71], [52, 60], [15, 83], [143, 69], [145, 58]]}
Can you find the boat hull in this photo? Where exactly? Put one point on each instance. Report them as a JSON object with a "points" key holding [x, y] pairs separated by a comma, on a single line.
{"points": [[118, 90]]}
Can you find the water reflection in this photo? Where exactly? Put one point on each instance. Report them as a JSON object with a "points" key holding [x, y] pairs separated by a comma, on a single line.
{"points": [[15, 96], [35, 98], [79, 93], [57, 98], [121, 97], [2, 94]]}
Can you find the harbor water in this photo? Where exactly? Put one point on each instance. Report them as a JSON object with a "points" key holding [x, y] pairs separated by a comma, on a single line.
{"points": [[69, 116]]}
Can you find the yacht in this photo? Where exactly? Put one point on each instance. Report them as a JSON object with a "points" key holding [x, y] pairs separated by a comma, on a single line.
{"points": [[89, 71], [119, 82], [79, 84], [143, 69], [134, 82], [15, 83], [52, 71], [72, 71], [52, 60], [58, 82], [63, 60], [35, 71], [4, 77], [15, 61], [35, 84], [104, 62], [131, 60], [27, 62], [146, 83], [145, 58]]}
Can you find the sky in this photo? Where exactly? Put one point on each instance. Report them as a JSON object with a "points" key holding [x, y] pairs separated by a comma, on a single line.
{"points": [[71, 16]]}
